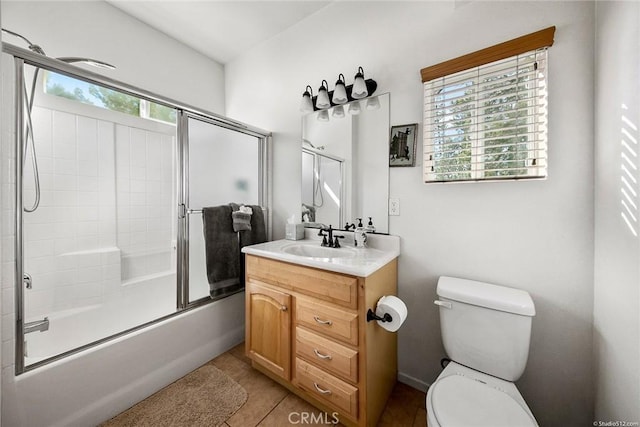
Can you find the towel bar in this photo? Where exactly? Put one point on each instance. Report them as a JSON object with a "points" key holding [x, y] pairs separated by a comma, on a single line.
{"points": [[199, 211]]}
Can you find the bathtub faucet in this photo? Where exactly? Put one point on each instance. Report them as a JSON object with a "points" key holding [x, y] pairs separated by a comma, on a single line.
{"points": [[38, 325]]}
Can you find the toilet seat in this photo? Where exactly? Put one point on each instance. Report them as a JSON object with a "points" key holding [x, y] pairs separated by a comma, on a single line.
{"points": [[458, 400]]}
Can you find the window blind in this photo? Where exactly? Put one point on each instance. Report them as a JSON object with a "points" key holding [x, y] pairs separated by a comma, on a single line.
{"points": [[488, 122]]}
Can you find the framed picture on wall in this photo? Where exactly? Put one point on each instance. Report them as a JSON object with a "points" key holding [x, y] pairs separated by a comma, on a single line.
{"points": [[402, 145]]}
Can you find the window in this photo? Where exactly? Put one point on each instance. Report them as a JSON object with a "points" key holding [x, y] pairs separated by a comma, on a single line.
{"points": [[487, 119], [99, 96]]}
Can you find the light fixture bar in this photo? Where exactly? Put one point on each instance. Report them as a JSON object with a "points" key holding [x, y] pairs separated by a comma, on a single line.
{"points": [[371, 88]]}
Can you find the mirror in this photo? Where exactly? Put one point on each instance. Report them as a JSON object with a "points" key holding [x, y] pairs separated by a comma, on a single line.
{"points": [[345, 165]]}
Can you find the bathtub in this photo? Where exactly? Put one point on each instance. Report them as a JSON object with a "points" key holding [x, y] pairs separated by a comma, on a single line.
{"points": [[73, 328], [93, 385]]}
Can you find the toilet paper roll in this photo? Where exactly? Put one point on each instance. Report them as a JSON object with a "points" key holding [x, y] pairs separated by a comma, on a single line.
{"points": [[395, 308]]}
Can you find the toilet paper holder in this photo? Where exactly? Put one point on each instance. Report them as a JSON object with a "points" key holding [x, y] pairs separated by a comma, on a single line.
{"points": [[372, 316]]}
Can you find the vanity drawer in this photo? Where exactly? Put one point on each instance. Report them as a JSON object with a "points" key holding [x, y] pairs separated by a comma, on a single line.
{"points": [[329, 320], [327, 388], [333, 287], [329, 355]]}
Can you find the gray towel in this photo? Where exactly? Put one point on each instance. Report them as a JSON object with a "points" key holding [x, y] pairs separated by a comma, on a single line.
{"points": [[224, 272], [257, 234], [241, 220]]}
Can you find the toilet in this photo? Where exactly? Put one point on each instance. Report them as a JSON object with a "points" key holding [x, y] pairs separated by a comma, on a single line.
{"points": [[485, 331]]}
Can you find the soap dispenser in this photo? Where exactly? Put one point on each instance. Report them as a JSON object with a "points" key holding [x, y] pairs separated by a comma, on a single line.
{"points": [[360, 235], [370, 228]]}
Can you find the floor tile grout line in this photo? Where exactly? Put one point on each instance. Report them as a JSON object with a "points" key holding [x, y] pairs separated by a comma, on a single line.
{"points": [[274, 407]]}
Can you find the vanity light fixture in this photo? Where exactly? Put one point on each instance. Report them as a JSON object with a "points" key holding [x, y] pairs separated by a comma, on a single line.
{"points": [[354, 108], [323, 116], [338, 111], [340, 91], [306, 106], [373, 103], [342, 94], [359, 86], [322, 101]]}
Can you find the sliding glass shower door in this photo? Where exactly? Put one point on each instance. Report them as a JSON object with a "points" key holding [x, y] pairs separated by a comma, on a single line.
{"points": [[224, 166], [108, 236], [98, 216]]}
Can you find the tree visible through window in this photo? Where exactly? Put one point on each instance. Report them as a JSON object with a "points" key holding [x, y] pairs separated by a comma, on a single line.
{"points": [[489, 121], [99, 96]]}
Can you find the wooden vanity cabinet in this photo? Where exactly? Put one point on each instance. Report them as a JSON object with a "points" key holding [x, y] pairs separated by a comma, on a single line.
{"points": [[306, 328], [268, 341]]}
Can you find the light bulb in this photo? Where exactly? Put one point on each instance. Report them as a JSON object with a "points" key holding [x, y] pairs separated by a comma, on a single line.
{"points": [[340, 92], [323, 116], [306, 105], [359, 90], [323, 96], [373, 103]]}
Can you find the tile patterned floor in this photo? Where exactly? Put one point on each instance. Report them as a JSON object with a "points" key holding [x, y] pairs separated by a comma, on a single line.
{"points": [[269, 404]]}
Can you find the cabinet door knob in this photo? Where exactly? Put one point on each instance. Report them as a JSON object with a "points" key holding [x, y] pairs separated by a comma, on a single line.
{"points": [[321, 390], [322, 356], [322, 322], [283, 308]]}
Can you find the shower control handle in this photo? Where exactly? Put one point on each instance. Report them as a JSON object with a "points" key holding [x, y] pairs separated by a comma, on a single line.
{"points": [[28, 282]]}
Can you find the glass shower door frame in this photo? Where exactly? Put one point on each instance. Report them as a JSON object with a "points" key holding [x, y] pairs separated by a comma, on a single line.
{"points": [[25, 57], [185, 212]]}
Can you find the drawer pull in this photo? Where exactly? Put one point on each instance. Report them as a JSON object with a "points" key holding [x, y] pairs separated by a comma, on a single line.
{"points": [[322, 322], [321, 390], [322, 356]]}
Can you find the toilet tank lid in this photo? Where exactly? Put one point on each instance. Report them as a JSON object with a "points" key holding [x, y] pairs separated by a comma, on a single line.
{"points": [[486, 295]]}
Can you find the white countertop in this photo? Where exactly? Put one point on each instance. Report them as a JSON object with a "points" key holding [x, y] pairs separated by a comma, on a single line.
{"points": [[348, 259]]}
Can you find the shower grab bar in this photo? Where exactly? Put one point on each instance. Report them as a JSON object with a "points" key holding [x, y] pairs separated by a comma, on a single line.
{"points": [[38, 325]]}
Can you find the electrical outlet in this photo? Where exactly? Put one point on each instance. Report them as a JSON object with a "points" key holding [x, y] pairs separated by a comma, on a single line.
{"points": [[394, 207]]}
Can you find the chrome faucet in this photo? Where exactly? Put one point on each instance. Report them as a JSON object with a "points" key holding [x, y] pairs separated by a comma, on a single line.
{"points": [[37, 326]]}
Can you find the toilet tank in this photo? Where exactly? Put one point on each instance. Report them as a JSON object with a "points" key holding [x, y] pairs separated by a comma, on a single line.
{"points": [[485, 327]]}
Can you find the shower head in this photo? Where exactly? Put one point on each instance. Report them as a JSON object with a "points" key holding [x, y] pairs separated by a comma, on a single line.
{"points": [[69, 60], [306, 141], [89, 61], [33, 47]]}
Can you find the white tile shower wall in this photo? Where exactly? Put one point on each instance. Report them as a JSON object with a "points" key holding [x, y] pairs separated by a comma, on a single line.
{"points": [[145, 201], [70, 240], [105, 213]]}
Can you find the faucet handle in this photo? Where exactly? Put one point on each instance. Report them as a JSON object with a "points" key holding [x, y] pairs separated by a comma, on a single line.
{"points": [[324, 241], [336, 243]]}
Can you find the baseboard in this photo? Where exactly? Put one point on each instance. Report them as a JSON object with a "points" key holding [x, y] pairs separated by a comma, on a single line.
{"points": [[413, 382]]}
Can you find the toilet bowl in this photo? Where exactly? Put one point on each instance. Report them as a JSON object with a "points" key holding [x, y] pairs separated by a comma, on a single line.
{"points": [[464, 397], [486, 332]]}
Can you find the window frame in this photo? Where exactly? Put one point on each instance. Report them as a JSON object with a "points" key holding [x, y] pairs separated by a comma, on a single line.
{"points": [[144, 105], [466, 66]]}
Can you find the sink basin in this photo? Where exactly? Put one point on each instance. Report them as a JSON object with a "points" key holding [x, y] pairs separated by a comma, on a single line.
{"points": [[313, 251], [347, 259]]}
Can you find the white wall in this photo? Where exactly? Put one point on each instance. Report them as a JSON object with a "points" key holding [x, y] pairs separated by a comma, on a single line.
{"points": [[617, 246], [144, 57], [537, 236]]}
